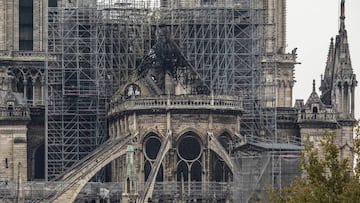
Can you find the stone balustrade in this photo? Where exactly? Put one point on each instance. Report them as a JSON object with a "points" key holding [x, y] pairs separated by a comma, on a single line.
{"points": [[226, 103], [14, 114], [317, 116], [24, 55], [284, 58]]}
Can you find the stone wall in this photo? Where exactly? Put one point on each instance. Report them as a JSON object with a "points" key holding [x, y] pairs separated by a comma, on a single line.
{"points": [[13, 150]]}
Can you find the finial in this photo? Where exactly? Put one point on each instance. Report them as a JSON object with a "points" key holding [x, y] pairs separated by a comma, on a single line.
{"points": [[342, 15], [314, 85]]}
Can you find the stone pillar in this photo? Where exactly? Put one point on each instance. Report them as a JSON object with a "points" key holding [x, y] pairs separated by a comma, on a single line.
{"points": [[134, 123], [349, 101], [25, 89], [122, 127], [342, 100], [126, 127], [352, 101], [118, 134], [20, 188], [115, 129], [34, 97]]}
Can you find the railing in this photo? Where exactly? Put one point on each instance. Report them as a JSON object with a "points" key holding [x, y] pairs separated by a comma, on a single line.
{"points": [[167, 191], [14, 113], [24, 55], [289, 57], [178, 102], [318, 116]]}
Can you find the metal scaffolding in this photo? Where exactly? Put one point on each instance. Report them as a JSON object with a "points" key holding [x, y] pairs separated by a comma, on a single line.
{"points": [[76, 98], [223, 41], [95, 50]]}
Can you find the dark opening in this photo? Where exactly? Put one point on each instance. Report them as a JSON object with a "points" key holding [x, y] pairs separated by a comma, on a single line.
{"points": [[6, 163], [225, 141], [152, 147], [182, 169], [40, 163], [160, 174], [128, 185], [10, 107], [29, 89], [196, 171], [221, 171], [189, 148], [52, 3], [315, 109], [147, 169], [26, 24], [20, 85]]}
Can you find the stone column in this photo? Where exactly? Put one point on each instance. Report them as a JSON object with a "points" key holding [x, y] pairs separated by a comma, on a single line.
{"points": [[126, 127], [34, 98], [118, 134], [352, 100], [20, 188], [342, 99], [25, 89]]}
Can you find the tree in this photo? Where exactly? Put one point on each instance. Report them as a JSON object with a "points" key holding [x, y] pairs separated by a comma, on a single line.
{"points": [[326, 178]]}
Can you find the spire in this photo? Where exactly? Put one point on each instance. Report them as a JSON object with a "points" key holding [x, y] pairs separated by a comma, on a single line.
{"points": [[329, 63], [327, 80], [342, 15], [313, 85], [331, 48], [314, 97], [342, 54]]}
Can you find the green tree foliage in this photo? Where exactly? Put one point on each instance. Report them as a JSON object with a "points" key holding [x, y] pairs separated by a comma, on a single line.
{"points": [[326, 178]]}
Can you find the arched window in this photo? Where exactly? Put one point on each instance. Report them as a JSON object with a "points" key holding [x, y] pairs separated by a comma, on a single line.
{"points": [[315, 110], [151, 146], [219, 169], [189, 152], [132, 90]]}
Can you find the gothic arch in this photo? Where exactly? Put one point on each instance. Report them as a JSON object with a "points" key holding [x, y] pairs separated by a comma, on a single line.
{"points": [[149, 131], [189, 148], [223, 131], [151, 145], [191, 130], [216, 147]]}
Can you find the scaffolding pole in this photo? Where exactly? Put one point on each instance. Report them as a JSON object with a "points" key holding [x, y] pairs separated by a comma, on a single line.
{"points": [[76, 102], [224, 41]]}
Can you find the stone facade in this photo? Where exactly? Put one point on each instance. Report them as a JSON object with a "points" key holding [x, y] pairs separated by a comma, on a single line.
{"points": [[167, 112], [14, 116], [177, 121]]}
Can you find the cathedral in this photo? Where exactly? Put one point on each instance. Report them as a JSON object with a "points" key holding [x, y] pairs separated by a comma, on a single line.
{"points": [[166, 101]]}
